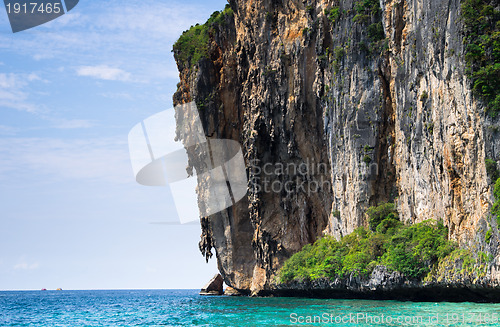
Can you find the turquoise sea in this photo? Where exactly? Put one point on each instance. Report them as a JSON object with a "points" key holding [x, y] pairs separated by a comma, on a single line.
{"points": [[187, 308]]}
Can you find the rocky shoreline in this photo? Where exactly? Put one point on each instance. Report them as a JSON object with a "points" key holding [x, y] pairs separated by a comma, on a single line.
{"points": [[386, 285], [382, 284]]}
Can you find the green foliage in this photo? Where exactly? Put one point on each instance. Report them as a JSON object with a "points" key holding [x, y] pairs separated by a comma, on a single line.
{"points": [[368, 12], [496, 190], [377, 214], [430, 128], [424, 96], [321, 260], [362, 247], [488, 235], [486, 83], [329, 258], [496, 205], [388, 226], [482, 44], [363, 47], [376, 32], [219, 17], [333, 14], [361, 18], [192, 45], [459, 264], [412, 250], [365, 10], [367, 159], [415, 249], [371, 7], [338, 55], [491, 169]]}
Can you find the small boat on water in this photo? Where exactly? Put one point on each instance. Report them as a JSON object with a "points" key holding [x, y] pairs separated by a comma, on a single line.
{"points": [[59, 289], [44, 289]]}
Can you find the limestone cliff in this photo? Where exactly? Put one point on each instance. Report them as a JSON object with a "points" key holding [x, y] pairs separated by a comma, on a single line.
{"points": [[372, 94]]}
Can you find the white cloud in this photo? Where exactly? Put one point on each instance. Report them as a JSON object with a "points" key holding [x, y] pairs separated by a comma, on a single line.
{"points": [[13, 91], [26, 266], [159, 20], [8, 81], [78, 159], [117, 95], [34, 77], [73, 123], [94, 31], [39, 56], [72, 18], [7, 130], [104, 72], [11, 95]]}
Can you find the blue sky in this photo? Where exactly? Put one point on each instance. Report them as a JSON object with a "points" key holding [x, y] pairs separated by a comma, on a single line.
{"points": [[71, 214]]}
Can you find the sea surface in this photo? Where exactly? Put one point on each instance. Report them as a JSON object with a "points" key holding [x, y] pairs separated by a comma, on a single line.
{"points": [[187, 308]]}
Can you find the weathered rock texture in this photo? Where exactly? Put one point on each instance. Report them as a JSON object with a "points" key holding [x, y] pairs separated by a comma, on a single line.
{"points": [[393, 120], [214, 286], [229, 291]]}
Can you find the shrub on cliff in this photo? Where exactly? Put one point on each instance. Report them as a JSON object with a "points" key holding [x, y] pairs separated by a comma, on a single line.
{"points": [[376, 32], [496, 205], [371, 7], [321, 260], [491, 169], [377, 214], [192, 45], [333, 14], [482, 45], [412, 250]]}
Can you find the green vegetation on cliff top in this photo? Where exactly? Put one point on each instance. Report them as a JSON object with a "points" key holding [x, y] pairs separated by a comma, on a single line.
{"points": [[416, 250], [192, 45], [482, 50]]}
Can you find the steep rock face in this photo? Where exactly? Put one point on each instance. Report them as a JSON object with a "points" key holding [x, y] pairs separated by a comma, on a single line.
{"points": [[372, 100], [440, 154]]}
